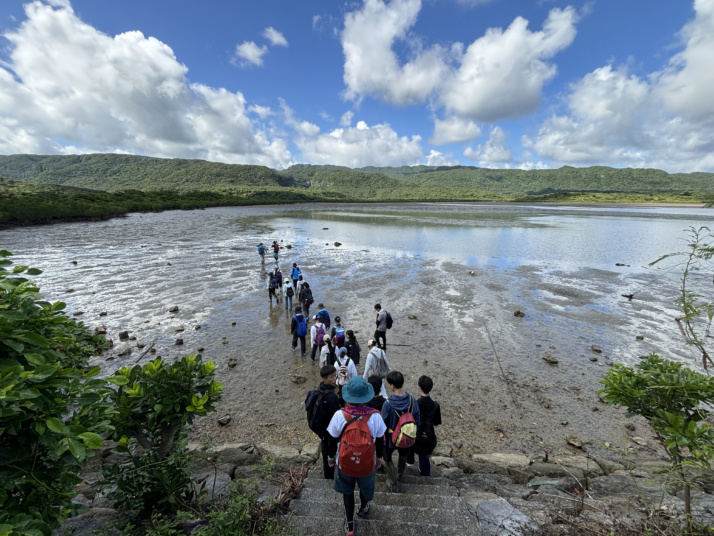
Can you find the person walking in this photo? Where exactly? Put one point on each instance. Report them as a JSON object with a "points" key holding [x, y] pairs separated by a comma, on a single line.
{"points": [[272, 288], [317, 337], [276, 250], [279, 279], [337, 332], [298, 329], [398, 404], [261, 252], [376, 364], [329, 404], [295, 275], [353, 349], [298, 287], [288, 293], [327, 352], [381, 331], [305, 297], [346, 370], [430, 413], [356, 458]]}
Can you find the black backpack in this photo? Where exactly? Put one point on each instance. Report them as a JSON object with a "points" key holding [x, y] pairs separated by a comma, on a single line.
{"points": [[315, 408], [291, 292], [425, 439], [390, 322]]}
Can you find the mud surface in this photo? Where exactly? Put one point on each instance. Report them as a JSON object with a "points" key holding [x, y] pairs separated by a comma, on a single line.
{"points": [[460, 270]]}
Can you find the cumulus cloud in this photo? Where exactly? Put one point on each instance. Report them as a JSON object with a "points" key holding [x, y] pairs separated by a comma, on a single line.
{"points": [[371, 66], [499, 75], [502, 74], [494, 151], [275, 37], [358, 146], [437, 158], [665, 120], [453, 130], [248, 53], [90, 92], [346, 119]]}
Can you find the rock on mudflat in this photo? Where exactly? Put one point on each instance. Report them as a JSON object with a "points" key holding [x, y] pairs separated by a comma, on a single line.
{"points": [[123, 335], [338, 244], [78, 313], [225, 420], [100, 330], [595, 348], [179, 328], [179, 341], [574, 441], [173, 309], [519, 314], [550, 359]]}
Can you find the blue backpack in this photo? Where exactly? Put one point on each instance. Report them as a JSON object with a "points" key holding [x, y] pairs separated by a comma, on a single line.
{"points": [[324, 317], [301, 326], [261, 250]]}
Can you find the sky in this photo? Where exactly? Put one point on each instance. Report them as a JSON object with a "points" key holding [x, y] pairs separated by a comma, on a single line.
{"points": [[528, 84]]}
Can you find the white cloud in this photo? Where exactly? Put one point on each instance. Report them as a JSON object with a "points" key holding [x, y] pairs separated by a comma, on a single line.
{"points": [[371, 66], [494, 151], [502, 73], [260, 111], [665, 120], [248, 53], [453, 130], [346, 119], [358, 146], [275, 37], [437, 158], [90, 92]]}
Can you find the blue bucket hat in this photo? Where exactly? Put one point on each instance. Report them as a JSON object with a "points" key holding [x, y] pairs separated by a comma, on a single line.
{"points": [[357, 391]]}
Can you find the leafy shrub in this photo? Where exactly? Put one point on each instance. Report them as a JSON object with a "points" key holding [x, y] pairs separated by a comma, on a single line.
{"points": [[52, 411], [155, 404]]}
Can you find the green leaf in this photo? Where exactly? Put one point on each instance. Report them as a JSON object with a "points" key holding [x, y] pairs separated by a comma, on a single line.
{"points": [[18, 347], [118, 380], [32, 338], [91, 440], [35, 359], [34, 271], [57, 426], [13, 316], [77, 449]]}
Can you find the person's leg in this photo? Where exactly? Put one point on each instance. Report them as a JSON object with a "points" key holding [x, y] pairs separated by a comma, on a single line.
{"points": [[424, 465], [401, 463], [327, 471], [410, 457], [315, 348], [302, 344], [294, 344], [364, 506], [389, 468], [349, 502]]}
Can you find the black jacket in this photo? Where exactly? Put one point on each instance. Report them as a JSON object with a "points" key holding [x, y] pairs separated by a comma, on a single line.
{"points": [[330, 404]]}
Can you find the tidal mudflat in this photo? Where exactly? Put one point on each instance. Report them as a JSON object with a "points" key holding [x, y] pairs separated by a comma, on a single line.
{"points": [[452, 276]]}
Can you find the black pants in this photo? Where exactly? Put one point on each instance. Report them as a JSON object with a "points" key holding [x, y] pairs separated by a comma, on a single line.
{"points": [[302, 342], [383, 335], [327, 471], [315, 349], [406, 456]]}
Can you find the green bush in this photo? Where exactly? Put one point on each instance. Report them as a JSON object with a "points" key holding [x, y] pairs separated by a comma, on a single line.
{"points": [[155, 404], [53, 413]]}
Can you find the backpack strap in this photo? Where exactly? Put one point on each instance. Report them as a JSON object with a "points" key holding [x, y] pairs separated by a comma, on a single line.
{"points": [[353, 419]]}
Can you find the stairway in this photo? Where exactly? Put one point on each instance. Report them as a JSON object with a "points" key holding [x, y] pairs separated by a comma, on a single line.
{"points": [[425, 507]]}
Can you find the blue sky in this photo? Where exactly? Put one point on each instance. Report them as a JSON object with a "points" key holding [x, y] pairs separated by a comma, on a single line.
{"points": [[490, 83]]}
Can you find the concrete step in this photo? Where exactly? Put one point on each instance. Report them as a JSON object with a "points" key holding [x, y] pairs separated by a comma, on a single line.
{"points": [[325, 526], [328, 496], [406, 479], [414, 489], [415, 513]]}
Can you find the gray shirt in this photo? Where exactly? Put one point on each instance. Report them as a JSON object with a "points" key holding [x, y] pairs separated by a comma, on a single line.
{"points": [[382, 320]]}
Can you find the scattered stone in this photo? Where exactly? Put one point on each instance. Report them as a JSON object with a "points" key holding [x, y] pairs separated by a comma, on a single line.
{"points": [[110, 342], [325, 228], [550, 359], [74, 262], [564, 423], [595, 408], [225, 420], [640, 338], [103, 313], [123, 335], [100, 330], [297, 379], [443, 461], [233, 323], [511, 461], [179, 341], [595, 348], [180, 328], [631, 427], [78, 313], [232, 362], [200, 349], [132, 338], [173, 309], [593, 359], [197, 327], [602, 396], [443, 449], [412, 317], [152, 350], [338, 244], [639, 441], [140, 345], [472, 272], [642, 357], [423, 324], [69, 290], [125, 353], [519, 314], [574, 441], [224, 341], [497, 516]]}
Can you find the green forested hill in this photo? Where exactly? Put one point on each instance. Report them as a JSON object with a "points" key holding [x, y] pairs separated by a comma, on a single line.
{"points": [[51, 188]]}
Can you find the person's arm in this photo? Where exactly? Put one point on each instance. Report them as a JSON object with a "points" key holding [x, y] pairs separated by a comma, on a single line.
{"points": [[415, 411], [437, 415]]}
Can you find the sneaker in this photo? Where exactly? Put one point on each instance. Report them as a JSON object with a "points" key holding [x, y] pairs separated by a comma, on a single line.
{"points": [[364, 512], [303, 355], [349, 532], [410, 465], [293, 348]]}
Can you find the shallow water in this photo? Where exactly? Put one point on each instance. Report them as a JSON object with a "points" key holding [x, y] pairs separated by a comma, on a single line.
{"points": [[557, 264]]}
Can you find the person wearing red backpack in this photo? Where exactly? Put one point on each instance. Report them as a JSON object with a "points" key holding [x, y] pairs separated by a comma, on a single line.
{"points": [[358, 453], [401, 415]]}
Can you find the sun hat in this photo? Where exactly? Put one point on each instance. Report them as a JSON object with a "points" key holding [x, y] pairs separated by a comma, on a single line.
{"points": [[320, 306], [357, 391]]}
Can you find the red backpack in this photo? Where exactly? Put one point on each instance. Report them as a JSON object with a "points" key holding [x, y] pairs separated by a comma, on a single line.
{"points": [[405, 432], [357, 452]]}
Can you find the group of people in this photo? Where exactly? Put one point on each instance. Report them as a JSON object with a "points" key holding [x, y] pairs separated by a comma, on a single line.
{"points": [[360, 426]]}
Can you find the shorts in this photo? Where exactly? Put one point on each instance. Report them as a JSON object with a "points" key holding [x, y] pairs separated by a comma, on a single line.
{"points": [[346, 484]]}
